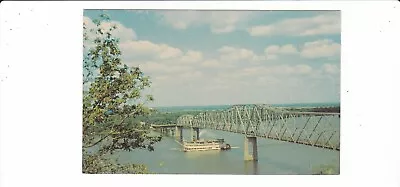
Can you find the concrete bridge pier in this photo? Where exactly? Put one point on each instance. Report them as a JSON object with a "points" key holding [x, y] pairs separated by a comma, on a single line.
{"points": [[247, 155], [179, 133], [195, 133], [165, 131]]}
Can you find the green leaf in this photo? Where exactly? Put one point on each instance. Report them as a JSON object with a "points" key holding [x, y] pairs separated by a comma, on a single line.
{"points": [[110, 85]]}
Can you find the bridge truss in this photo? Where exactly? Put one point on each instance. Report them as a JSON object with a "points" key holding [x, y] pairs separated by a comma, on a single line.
{"points": [[309, 128]]}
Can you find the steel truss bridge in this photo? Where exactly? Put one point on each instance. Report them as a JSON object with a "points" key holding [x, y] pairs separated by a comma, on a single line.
{"points": [[309, 128]]}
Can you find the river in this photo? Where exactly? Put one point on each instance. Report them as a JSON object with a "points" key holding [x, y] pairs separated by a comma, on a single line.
{"points": [[274, 157]]}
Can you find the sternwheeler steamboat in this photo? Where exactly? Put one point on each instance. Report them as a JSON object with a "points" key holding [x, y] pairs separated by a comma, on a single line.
{"points": [[205, 145]]}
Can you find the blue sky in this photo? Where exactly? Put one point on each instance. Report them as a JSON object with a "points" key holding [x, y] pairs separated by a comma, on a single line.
{"points": [[232, 57]]}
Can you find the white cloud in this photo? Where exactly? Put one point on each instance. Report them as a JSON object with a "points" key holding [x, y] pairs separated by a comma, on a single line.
{"points": [[132, 49], [228, 53], [212, 63], [231, 53], [277, 70], [192, 56], [266, 79], [326, 23], [120, 32], [261, 77], [218, 21], [288, 49], [330, 69], [191, 74], [320, 48], [162, 62], [273, 50], [164, 59], [303, 69], [166, 65], [310, 50], [216, 64]]}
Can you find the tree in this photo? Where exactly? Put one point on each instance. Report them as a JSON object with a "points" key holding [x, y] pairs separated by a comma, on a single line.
{"points": [[112, 93], [327, 169]]}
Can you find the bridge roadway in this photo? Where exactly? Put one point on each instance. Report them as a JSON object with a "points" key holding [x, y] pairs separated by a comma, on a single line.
{"points": [[309, 128]]}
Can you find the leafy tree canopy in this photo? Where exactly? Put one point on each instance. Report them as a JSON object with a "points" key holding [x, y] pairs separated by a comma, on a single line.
{"points": [[112, 93]]}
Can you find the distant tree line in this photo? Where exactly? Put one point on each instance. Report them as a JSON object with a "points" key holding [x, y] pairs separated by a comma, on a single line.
{"points": [[327, 109], [335, 109]]}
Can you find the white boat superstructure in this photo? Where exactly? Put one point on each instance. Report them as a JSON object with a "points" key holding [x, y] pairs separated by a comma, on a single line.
{"points": [[205, 145]]}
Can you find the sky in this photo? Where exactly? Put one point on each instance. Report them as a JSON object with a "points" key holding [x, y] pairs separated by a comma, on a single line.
{"points": [[197, 58]]}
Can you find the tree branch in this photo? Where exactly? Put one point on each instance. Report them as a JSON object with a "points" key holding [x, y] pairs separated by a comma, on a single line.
{"points": [[120, 123]]}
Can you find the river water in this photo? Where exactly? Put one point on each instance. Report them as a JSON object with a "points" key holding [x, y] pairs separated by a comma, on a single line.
{"points": [[274, 157]]}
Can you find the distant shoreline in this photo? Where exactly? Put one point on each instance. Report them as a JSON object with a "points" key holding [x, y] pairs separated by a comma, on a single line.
{"points": [[284, 104], [298, 106]]}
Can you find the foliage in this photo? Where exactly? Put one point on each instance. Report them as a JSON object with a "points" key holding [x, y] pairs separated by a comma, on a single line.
{"points": [[326, 170], [335, 109], [96, 163], [112, 93]]}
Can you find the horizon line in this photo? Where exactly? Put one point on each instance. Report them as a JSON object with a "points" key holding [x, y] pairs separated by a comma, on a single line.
{"points": [[243, 104]]}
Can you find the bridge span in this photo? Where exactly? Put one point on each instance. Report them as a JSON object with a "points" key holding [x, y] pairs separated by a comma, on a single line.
{"points": [[316, 129]]}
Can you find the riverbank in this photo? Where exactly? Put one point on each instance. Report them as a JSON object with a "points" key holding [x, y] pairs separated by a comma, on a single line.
{"points": [[333, 109]]}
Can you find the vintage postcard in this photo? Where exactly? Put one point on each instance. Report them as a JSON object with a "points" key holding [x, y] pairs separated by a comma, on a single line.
{"points": [[211, 92]]}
